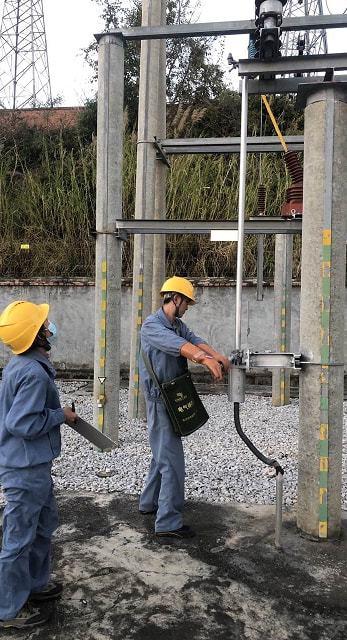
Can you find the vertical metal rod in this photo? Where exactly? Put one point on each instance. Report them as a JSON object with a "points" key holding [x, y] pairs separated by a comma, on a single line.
{"points": [[16, 58], [47, 62], [242, 198], [279, 506], [33, 55]]}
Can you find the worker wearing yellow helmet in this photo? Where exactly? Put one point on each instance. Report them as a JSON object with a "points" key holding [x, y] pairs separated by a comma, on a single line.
{"points": [[166, 343], [30, 419]]}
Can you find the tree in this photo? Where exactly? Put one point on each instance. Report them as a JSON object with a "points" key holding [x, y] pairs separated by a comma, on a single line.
{"points": [[193, 77]]}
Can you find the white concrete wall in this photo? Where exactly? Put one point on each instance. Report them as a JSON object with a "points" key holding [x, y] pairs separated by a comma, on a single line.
{"points": [[72, 309]]}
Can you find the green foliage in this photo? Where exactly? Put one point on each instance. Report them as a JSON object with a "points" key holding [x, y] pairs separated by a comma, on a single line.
{"points": [[87, 121], [47, 198], [48, 203], [193, 74]]}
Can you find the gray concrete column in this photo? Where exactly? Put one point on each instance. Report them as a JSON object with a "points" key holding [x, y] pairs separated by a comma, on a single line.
{"points": [[108, 261], [282, 319], [145, 194], [322, 312], [159, 242]]}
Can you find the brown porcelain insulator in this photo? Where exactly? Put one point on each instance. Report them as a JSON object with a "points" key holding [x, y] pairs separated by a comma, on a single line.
{"points": [[294, 166], [261, 200], [295, 192]]}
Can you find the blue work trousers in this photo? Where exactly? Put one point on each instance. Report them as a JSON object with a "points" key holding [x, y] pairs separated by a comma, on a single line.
{"points": [[30, 518], [164, 489]]}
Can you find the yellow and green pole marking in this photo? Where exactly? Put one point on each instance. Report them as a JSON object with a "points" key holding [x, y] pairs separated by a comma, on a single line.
{"points": [[283, 342], [139, 318], [324, 384], [102, 345]]}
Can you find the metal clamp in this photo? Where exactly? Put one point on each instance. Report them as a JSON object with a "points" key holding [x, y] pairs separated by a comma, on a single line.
{"points": [[247, 360], [271, 360], [161, 155]]}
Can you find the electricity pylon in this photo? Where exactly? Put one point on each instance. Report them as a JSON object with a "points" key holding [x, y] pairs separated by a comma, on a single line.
{"points": [[24, 70], [307, 42]]}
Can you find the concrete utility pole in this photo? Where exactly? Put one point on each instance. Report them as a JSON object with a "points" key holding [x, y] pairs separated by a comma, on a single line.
{"points": [[322, 311], [108, 275], [159, 243], [149, 126], [283, 303]]}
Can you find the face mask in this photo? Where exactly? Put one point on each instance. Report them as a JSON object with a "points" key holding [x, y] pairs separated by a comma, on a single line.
{"points": [[53, 330]]}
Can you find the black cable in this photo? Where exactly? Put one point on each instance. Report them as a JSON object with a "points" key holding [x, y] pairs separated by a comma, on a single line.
{"points": [[269, 461]]}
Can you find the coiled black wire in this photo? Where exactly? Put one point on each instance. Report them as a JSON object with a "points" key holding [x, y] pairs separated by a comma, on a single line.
{"points": [[269, 461]]}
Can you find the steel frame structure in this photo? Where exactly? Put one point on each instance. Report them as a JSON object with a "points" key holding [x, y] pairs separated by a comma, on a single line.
{"points": [[25, 79], [248, 69], [315, 41], [264, 144], [112, 229], [294, 64], [255, 226], [237, 27], [287, 85]]}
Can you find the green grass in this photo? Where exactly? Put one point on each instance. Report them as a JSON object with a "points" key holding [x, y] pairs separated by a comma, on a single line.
{"points": [[52, 207]]}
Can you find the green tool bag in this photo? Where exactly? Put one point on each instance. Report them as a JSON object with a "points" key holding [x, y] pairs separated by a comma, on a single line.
{"points": [[186, 411]]}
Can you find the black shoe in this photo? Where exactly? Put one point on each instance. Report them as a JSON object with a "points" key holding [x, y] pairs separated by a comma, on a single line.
{"points": [[148, 513], [52, 591], [26, 618], [183, 532]]}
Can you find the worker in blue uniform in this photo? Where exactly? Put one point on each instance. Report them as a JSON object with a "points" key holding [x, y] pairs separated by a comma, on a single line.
{"points": [[30, 419], [168, 342]]}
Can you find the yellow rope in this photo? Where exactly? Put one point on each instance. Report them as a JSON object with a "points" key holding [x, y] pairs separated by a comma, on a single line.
{"points": [[274, 122]]}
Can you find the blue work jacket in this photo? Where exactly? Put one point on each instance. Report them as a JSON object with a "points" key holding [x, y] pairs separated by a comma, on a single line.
{"points": [[162, 342], [30, 412]]}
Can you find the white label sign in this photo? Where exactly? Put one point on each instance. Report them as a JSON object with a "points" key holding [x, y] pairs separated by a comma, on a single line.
{"points": [[224, 235]]}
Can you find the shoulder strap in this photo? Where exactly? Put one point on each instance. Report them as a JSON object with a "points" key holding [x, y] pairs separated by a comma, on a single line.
{"points": [[150, 369]]}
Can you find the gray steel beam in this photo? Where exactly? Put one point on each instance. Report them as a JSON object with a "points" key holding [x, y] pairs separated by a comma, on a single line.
{"points": [[264, 144], [299, 23], [227, 28], [259, 225], [294, 64], [286, 85]]}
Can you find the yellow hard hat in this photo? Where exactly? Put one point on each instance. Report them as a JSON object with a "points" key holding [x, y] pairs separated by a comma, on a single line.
{"points": [[179, 285], [20, 323]]}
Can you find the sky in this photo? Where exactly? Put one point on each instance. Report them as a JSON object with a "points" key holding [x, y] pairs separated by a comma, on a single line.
{"points": [[70, 25]]}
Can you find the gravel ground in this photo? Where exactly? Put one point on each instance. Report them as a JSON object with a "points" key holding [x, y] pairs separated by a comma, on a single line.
{"points": [[219, 467]]}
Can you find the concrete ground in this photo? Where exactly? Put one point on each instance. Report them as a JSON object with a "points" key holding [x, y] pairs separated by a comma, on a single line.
{"points": [[228, 583]]}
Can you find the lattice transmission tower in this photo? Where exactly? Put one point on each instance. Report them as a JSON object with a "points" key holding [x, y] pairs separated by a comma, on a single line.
{"points": [[307, 42], [24, 70]]}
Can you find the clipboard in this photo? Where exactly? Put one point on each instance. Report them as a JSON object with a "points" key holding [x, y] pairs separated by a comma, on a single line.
{"points": [[93, 435]]}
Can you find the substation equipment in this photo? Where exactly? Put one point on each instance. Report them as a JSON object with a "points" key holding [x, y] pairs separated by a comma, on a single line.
{"points": [[320, 362]]}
